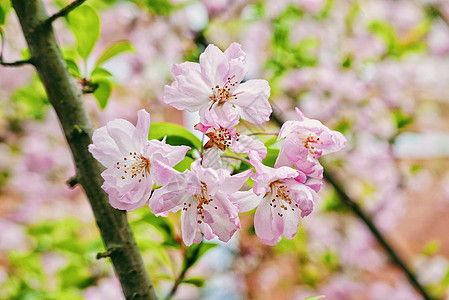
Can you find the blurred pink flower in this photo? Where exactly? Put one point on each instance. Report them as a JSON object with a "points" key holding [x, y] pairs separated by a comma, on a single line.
{"points": [[213, 88], [13, 236], [281, 195], [107, 288], [401, 291], [128, 156], [203, 194]]}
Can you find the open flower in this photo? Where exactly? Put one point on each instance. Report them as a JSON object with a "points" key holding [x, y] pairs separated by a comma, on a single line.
{"points": [[129, 160], [203, 194], [213, 88], [284, 199], [304, 142]]}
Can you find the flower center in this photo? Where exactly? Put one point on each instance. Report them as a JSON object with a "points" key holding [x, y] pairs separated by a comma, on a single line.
{"points": [[134, 166], [203, 198], [223, 94], [220, 138], [280, 198], [311, 143]]}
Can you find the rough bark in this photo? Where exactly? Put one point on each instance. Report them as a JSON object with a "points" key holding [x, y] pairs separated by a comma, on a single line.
{"points": [[67, 101]]}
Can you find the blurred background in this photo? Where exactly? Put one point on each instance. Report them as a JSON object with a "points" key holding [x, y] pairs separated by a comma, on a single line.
{"points": [[375, 70]]}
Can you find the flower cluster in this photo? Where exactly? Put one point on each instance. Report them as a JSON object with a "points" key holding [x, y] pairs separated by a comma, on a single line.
{"points": [[208, 196]]}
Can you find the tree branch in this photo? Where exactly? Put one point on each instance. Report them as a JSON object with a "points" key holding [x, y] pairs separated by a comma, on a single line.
{"points": [[356, 209], [379, 237], [63, 12], [67, 101], [16, 63]]}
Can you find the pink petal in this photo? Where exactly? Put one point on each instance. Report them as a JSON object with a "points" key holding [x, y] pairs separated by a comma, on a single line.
{"points": [[189, 225], [231, 184], [263, 224], [245, 200], [237, 61], [253, 104], [121, 131], [140, 136], [214, 66], [104, 149]]}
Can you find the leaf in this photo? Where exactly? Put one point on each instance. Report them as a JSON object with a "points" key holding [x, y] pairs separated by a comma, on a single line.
{"points": [[103, 92], [176, 135], [85, 24], [184, 164], [32, 101], [196, 281], [431, 247], [100, 73], [315, 297], [195, 252], [401, 119], [114, 50], [73, 68], [159, 7], [272, 155], [5, 7], [160, 223]]}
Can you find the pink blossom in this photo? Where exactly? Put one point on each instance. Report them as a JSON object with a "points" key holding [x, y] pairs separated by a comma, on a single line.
{"points": [[283, 195], [129, 160], [213, 87], [203, 194], [304, 142]]}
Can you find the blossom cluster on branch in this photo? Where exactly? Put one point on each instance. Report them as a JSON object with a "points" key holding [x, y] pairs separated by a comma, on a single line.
{"points": [[208, 195]]}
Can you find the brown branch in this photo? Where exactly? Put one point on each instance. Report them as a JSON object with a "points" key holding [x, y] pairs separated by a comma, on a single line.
{"points": [[66, 99]]}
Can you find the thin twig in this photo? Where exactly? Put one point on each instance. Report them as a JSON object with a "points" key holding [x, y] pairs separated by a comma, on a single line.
{"points": [[188, 262], [379, 237], [64, 11], [262, 133], [237, 158], [11, 64], [16, 63]]}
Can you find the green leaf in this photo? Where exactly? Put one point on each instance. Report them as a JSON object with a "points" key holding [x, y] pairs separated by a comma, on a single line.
{"points": [[160, 223], [114, 50], [315, 297], [100, 73], [5, 7], [176, 135], [73, 68], [401, 119], [196, 281], [431, 247], [31, 100], [184, 164], [103, 92], [195, 252], [85, 24], [387, 33], [272, 155], [159, 7]]}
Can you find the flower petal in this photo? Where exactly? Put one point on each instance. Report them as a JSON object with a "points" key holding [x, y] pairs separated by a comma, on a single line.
{"points": [[245, 200], [189, 225], [104, 149], [252, 103], [214, 66], [263, 224]]}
